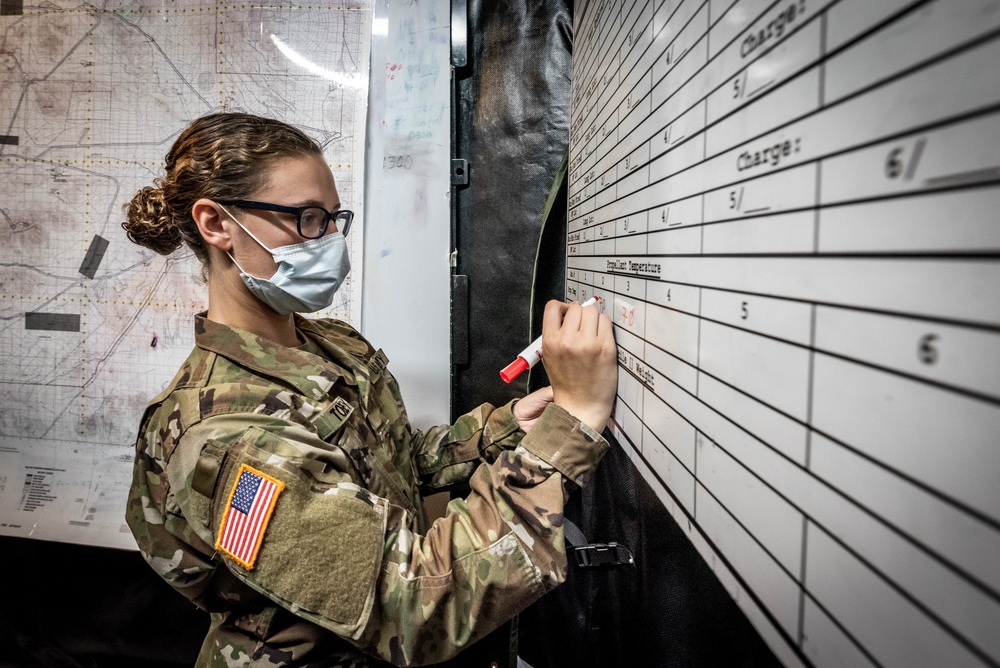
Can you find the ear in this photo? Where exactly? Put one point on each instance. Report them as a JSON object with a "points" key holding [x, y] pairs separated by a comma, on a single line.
{"points": [[211, 221]]}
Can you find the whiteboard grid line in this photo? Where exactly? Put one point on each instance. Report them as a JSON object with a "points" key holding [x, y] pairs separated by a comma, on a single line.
{"points": [[587, 72], [843, 629], [988, 521], [694, 75], [810, 382], [589, 31], [982, 113], [600, 53], [708, 62], [912, 541], [956, 119], [912, 253], [824, 56], [575, 119], [692, 522], [960, 256], [988, 327], [924, 608], [583, 73], [591, 64], [802, 587], [923, 192], [954, 52], [981, 654]]}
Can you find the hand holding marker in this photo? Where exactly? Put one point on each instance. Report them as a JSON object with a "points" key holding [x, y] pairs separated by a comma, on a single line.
{"points": [[529, 356]]}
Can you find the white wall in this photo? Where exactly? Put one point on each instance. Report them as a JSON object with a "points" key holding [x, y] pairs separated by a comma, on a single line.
{"points": [[406, 294]]}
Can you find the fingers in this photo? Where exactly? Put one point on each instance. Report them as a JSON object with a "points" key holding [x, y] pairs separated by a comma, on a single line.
{"points": [[589, 319], [604, 326], [544, 394], [570, 317], [580, 360], [532, 405], [553, 317]]}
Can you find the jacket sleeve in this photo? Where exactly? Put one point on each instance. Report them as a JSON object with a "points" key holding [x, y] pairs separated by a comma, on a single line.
{"points": [[449, 454], [345, 559], [492, 554]]}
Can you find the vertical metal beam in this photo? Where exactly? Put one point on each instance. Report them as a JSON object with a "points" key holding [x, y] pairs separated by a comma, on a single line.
{"points": [[459, 282], [459, 32]]}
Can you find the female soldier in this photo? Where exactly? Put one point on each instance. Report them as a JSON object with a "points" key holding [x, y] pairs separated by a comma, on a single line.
{"points": [[277, 481]]}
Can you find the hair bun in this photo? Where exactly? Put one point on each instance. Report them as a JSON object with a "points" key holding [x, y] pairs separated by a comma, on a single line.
{"points": [[150, 223]]}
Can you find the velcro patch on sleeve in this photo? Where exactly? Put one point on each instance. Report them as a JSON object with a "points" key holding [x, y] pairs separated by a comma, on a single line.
{"points": [[377, 364], [251, 502], [322, 554]]}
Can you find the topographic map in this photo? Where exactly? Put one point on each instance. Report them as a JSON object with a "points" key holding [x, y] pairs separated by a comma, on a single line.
{"points": [[91, 325]]}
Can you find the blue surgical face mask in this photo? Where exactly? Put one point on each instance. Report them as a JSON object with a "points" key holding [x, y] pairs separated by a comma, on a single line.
{"points": [[308, 273]]}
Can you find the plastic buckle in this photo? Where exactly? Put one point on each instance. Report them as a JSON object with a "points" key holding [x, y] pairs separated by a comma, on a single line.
{"points": [[603, 554]]}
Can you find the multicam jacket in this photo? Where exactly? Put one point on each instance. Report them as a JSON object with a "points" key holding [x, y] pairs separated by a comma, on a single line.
{"points": [[279, 489]]}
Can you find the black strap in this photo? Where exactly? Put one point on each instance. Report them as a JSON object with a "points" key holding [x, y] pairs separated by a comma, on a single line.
{"points": [[591, 555]]}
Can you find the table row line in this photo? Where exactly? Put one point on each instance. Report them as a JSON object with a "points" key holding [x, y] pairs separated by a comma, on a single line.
{"points": [[785, 83], [851, 159], [648, 43], [905, 423], [751, 27], [694, 319], [914, 538], [923, 288], [728, 221], [854, 569]]}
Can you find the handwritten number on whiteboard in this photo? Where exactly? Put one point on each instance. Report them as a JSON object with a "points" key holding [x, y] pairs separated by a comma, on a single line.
{"points": [[896, 166], [893, 165], [397, 162], [740, 85], [744, 311], [736, 200], [927, 351]]}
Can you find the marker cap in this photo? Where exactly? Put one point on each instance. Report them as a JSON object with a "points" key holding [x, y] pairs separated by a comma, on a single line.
{"points": [[514, 369]]}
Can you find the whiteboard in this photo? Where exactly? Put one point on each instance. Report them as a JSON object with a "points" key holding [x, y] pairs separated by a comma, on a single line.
{"points": [[790, 211], [407, 295]]}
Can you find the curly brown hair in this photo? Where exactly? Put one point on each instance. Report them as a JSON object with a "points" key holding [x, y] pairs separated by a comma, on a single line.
{"points": [[221, 156]]}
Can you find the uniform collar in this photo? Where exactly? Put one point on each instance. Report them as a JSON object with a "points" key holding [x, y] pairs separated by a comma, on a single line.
{"points": [[341, 343], [303, 370]]}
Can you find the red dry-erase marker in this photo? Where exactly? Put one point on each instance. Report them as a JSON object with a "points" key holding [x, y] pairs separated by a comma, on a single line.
{"points": [[529, 356]]}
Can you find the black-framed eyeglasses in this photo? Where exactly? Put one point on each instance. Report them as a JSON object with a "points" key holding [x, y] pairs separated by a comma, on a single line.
{"points": [[311, 221]]}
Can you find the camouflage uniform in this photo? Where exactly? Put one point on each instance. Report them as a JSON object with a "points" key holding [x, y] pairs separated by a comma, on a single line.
{"points": [[346, 566]]}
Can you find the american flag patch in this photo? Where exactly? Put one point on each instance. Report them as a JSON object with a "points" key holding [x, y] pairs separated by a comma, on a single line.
{"points": [[250, 505]]}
